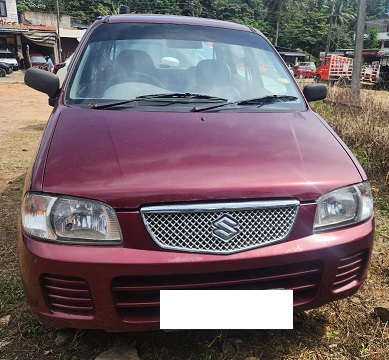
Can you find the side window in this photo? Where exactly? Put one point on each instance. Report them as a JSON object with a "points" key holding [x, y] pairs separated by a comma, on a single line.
{"points": [[3, 8]]}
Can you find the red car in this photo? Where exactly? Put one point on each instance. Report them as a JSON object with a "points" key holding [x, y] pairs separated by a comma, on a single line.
{"points": [[38, 61], [170, 161], [303, 71]]}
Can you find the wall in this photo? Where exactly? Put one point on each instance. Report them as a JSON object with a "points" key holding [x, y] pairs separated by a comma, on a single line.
{"points": [[45, 19], [12, 14]]}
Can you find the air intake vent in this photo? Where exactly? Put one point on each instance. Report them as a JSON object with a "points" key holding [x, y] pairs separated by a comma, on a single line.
{"points": [[137, 297], [350, 269], [69, 295]]}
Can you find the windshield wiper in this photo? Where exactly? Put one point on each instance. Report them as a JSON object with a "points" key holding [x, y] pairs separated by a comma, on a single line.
{"points": [[181, 97], [270, 99], [169, 97], [108, 105]]}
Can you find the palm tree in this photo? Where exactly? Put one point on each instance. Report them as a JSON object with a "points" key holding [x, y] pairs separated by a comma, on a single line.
{"points": [[338, 14], [277, 8]]}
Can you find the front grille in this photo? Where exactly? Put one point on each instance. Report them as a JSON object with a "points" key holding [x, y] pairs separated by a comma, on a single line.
{"points": [[351, 268], [220, 228], [137, 297], [69, 295]]}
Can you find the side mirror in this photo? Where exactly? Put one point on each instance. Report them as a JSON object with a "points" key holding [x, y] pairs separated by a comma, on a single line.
{"points": [[43, 81], [314, 92]]}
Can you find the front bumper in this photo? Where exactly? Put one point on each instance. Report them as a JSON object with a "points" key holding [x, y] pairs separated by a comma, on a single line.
{"points": [[117, 288]]}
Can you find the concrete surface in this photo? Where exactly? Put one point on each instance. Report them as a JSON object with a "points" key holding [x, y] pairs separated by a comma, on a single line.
{"points": [[15, 77]]}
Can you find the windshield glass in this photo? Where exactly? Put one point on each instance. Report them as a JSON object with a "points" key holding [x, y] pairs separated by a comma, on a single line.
{"points": [[38, 59], [123, 61], [6, 55]]}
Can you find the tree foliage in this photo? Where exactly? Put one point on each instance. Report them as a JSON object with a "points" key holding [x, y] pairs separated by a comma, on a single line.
{"points": [[371, 41], [311, 25]]}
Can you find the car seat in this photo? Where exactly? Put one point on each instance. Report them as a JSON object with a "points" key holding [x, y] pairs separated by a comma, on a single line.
{"points": [[135, 65], [213, 77]]}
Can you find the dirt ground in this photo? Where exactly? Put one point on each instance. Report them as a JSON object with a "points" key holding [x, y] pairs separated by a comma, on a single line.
{"points": [[23, 113]]}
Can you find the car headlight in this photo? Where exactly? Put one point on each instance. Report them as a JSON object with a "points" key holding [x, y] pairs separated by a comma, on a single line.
{"points": [[70, 220], [343, 207]]}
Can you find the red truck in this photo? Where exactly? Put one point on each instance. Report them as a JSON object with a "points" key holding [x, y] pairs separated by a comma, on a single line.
{"points": [[334, 68], [338, 69]]}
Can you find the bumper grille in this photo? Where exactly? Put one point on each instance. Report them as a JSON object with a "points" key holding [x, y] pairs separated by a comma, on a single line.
{"points": [[220, 228], [69, 295], [137, 297], [351, 268]]}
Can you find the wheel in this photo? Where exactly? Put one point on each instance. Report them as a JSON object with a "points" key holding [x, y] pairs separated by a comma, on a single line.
{"points": [[317, 79], [2, 72], [343, 81]]}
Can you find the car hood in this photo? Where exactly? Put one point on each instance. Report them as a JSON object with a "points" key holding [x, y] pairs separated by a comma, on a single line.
{"points": [[130, 158]]}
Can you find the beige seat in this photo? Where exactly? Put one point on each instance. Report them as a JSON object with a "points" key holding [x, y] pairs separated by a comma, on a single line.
{"points": [[135, 65], [213, 77], [135, 61]]}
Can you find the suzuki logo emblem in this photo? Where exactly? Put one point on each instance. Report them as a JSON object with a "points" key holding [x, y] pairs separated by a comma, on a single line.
{"points": [[225, 228]]}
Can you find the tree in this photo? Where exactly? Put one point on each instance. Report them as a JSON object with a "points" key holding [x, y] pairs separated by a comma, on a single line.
{"points": [[304, 30], [339, 13], [192, 8], [371, 42], [312, 25], [278, 8], [376, 8]]}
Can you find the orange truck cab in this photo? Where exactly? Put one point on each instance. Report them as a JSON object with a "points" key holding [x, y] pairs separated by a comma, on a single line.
{"points": [[334, 67]]}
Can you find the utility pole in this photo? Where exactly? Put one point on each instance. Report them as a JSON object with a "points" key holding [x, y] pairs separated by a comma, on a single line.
{"points": [[59, 35], [358, 49], [327, 50]]}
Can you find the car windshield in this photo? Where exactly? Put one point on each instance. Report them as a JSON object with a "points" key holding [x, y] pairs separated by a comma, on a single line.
{"points": [[127, 61], [6, 55], [38, 59]]}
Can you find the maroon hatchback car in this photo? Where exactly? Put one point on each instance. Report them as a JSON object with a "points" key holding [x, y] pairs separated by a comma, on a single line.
{"points": [[181, 154]]}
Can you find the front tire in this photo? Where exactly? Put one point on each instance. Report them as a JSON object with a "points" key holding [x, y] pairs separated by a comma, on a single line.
{"points": [[343, 81], [2, 72], [317, 78]]}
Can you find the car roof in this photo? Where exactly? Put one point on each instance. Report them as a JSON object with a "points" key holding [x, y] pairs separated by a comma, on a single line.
{"points": [[174, 19]]}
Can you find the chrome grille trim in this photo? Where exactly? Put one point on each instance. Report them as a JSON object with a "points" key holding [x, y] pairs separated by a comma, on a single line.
{"points": [[220, 228]]}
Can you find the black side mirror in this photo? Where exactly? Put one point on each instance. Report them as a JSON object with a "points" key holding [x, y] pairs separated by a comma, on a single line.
{"points": [[314, 92], [43, 81]]}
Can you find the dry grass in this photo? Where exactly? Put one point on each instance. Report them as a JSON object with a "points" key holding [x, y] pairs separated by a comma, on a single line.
{"points": [[343, 330], [364, 126]]}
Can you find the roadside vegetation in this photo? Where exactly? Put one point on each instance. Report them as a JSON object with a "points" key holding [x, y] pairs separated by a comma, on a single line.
{"points": [[311, 25], [353, 328]]}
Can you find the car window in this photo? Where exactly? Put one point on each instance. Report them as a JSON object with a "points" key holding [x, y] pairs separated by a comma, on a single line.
{"points": [[38, 59], [122, 61], [7, 55]]}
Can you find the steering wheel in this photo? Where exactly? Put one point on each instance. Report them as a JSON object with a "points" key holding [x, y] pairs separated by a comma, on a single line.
{"points": [[135, 77]]}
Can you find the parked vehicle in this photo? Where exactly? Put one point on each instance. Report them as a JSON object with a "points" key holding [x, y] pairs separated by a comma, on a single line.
{"points": [[338, 69], [8, 57], [335, 68], [311, 64], [156, 173], [290, 68], [38, 61], [5, 69], [303, 71]]}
